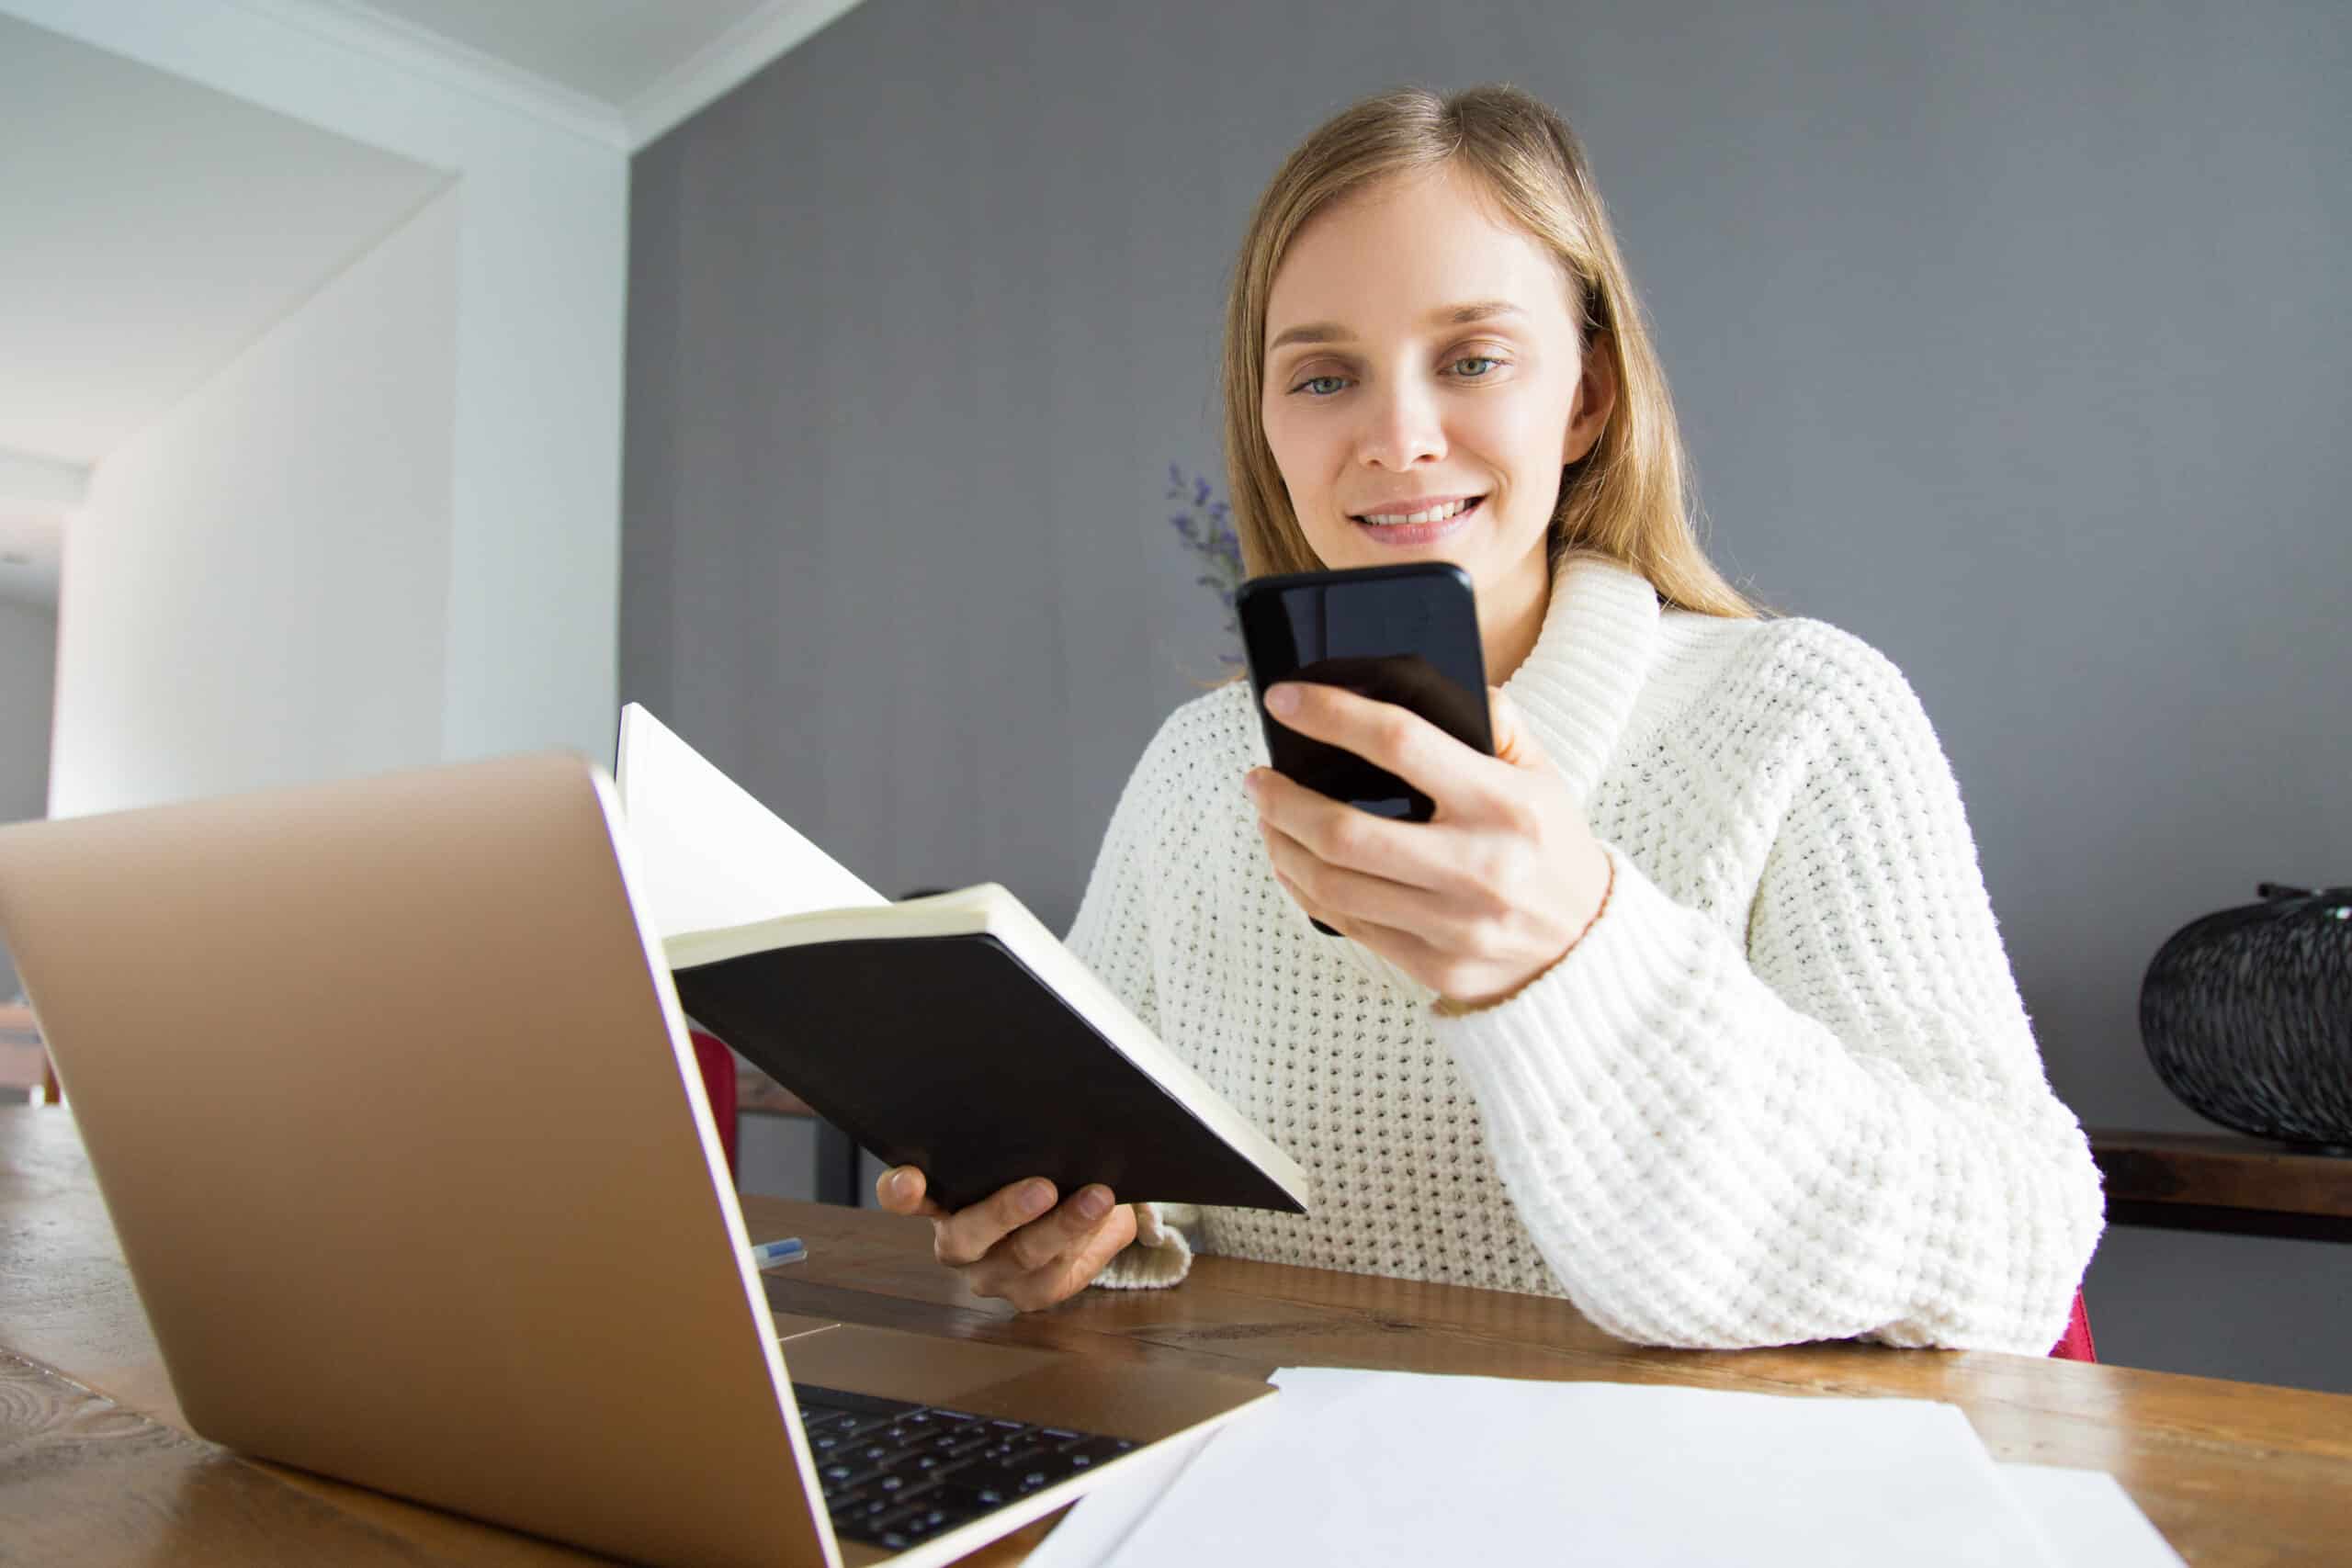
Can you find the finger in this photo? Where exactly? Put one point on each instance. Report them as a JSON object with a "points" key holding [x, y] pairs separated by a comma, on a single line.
{"points": [[1409, 951], [1111, 1236], [1338, 920], [1299, 896], [966, 1236], [1382, 734], [1326, 889], [1417, 854], [1036, 1245], [903, 1189], [1062, 1277]]}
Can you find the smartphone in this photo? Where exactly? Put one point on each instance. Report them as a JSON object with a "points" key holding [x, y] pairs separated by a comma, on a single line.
{"points": [[1407, 635]]}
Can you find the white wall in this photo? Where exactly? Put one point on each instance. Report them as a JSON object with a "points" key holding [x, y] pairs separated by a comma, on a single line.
{"points": [[27, 679], [529, 570], [256, 588]]}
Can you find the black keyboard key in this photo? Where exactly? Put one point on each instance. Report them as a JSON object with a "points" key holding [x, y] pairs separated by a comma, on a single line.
{"points": [[1096, 1450], [896, 1473], [925, 1512], [816, 1418], [858, 1475], [1006, 1484], [974, 1500], [1044, 1469], [897, 1538]]}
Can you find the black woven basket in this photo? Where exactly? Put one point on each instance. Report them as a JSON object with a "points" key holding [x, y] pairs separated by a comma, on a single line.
{"points": [[2247, 1016]]}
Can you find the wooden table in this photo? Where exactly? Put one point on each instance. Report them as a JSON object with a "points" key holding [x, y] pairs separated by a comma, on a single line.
{"points": [[96, 1465], [2223, 1182]]}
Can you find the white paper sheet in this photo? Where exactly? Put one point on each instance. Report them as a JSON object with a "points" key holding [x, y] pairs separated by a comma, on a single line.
{"points": [[1356, 1466], [1104, 1516], [709, 853], [2089, 1519], [2085, 1517]]}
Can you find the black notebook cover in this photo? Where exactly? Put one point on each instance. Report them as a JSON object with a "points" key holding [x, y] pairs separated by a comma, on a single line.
{"points": [[949, 1054]]}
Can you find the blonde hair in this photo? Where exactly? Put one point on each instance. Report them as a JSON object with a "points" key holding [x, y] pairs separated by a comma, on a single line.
{"points": [[1627, 497]]}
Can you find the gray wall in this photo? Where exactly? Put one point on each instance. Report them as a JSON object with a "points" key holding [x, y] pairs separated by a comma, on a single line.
{"points": [[27, 696], [2010, 340]]}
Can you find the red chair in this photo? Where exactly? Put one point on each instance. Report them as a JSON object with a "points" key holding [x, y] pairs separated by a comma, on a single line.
{"points": [[840, 1170], [2076, 1346], [718, 1064]]}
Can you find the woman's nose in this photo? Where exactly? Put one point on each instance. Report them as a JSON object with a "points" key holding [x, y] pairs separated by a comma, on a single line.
{"points": [[1401, 428]]}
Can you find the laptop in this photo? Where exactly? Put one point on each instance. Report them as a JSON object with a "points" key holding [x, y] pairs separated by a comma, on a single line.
{"points": [[394, 1112]]}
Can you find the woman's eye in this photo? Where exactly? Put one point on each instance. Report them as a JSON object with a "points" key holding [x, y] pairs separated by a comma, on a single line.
{"points": [[1310, 385], [1476, 359]]}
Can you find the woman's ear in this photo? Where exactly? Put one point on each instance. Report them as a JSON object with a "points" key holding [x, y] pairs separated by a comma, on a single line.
{"points": [[1596, 396]]}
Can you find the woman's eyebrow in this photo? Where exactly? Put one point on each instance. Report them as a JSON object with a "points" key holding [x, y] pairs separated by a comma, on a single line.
{"points": [[1445, 315]]}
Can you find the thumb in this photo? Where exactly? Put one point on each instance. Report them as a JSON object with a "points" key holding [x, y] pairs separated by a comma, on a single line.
{"points": [[1514, 742], [901, 1190]]}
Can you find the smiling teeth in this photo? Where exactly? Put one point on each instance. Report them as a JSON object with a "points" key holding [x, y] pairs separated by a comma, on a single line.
{"points": [[1437, 516]]}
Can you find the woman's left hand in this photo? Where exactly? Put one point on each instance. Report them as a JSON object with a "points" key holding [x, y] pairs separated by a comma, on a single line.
{"points": [[1489, 893]]}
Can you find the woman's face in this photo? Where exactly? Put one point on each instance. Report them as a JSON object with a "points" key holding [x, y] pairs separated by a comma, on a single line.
{"points": [[1422, 360]]}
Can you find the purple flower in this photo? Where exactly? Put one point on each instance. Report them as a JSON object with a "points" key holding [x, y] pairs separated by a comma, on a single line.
{"points": [[1206, 528]]}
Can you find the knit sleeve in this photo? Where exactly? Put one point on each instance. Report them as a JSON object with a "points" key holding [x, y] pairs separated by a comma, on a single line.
{"points": [[1111, 936], [1843, 1129]]}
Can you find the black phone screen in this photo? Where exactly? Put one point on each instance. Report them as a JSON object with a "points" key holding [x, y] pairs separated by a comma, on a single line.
{"points": [[1407, 635]]}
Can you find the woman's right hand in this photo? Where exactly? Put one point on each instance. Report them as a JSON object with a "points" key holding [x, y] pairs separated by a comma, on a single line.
{"points": [[1016, 1244]]}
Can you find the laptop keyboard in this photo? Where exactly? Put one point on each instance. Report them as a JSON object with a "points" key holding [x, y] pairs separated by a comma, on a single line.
{"points": [[897, 1474]]}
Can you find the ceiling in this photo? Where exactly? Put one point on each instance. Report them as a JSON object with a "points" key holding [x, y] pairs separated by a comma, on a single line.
{"points": [[618, 71], [609, 50], [151, 227]]}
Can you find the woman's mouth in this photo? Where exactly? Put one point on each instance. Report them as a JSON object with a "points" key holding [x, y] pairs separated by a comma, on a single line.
{"points": [[1419, 527]]}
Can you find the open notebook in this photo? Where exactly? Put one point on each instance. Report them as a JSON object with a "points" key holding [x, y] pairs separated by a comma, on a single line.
{"points": [[954, 1032]]}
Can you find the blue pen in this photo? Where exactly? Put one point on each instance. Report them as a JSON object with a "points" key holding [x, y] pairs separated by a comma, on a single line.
{"points": [[768, 1253]]}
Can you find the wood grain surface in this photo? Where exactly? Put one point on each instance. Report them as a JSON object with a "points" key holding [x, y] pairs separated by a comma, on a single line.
{"points": [[94, 1453], [2226, 1171]]}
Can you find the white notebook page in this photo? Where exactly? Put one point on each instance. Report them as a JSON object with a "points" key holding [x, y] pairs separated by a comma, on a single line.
{"points": [[710, 854]]}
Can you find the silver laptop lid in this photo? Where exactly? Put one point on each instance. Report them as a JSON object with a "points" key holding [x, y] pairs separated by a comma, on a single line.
{"points": [[379, 1082]]}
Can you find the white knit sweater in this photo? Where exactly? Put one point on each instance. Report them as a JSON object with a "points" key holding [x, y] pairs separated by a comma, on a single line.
{"points": [[1784, 1089]]}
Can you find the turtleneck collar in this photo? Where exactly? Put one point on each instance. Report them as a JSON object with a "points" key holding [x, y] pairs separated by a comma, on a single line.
{"points": [[1578, 684]]}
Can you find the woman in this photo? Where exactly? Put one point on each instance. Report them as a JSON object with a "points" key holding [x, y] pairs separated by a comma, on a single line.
{"points": [[1690, 1004]]}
